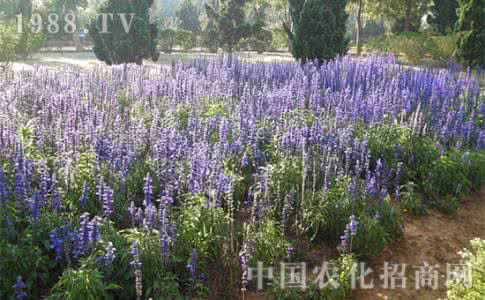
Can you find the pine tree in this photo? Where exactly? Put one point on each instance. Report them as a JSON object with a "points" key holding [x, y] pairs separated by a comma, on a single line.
{"points": [[318, 29], [471, 29], [230, 22], [117, 45], [188, 15]]}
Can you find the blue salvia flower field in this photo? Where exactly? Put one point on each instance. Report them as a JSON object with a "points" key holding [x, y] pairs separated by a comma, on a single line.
{"points": [[171, 182]]}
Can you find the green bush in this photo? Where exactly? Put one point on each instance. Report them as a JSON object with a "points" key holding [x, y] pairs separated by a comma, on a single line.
{"points": [[471, 30], [186, 39], [84, 283], [158, 278], [8, 42], [475, 260], [167, 40], [327, 214], [259, 41], [25, 251], [411, 200], [417, 48], [447, 204], [447, 176], [271, 245], [443, 49], [29, 43], [280, 40]]}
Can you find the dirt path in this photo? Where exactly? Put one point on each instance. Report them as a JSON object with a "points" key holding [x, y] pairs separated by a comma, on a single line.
{"points": [[435, 239]]}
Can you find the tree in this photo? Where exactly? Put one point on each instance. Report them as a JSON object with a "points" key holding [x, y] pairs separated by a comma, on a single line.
{"points": [[318, 29], [471, 30], [259, 38], [358, 36], [443, 15], [8, 43], [167, 40], [229, 22], [209, 37], [71, 6], [403, 15], [128, 40], [188, 15]]}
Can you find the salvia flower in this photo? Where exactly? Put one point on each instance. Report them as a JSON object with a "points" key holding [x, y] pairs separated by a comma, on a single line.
{"points": [[147, 190], [84, 232], [107, 201], [35, 206], [137, 264], [244, 262], [349, 232], [192, 265], [149, 217], [56, 243], [19, 287], [290, 250], [109, 256], [132, 212], [84, 195]]}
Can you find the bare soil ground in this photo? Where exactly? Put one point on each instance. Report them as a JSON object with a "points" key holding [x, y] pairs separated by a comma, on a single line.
{"points": [[435, 239]]}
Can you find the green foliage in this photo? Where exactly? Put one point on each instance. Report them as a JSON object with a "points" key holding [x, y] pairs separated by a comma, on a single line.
{"points": [[402, 15], [447, 176], [229, 22], [328, 213], [417, 48], [188, 15], [447, 204], [382, 141], [475, 169], [379, 225], [474, 258], [118, 46], [84, 283], [167, 40], [209, 37], [389, 218], [25, 251], [186, 39], [8, 42], [411, 200], [371, 238], [260, 38], [201, 227], [271, 245], [279, 40], [158, 278], [261, 41], [443, 16], [471, 29], [319, 29]]}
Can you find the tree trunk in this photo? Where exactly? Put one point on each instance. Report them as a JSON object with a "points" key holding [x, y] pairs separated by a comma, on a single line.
{"points": [[407, 20], [75, 35], [359, 28]]}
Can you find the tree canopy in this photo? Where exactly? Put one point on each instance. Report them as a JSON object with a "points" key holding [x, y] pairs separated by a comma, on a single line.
{"points": [[119, 44], [318, 29], [471, 28]]}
